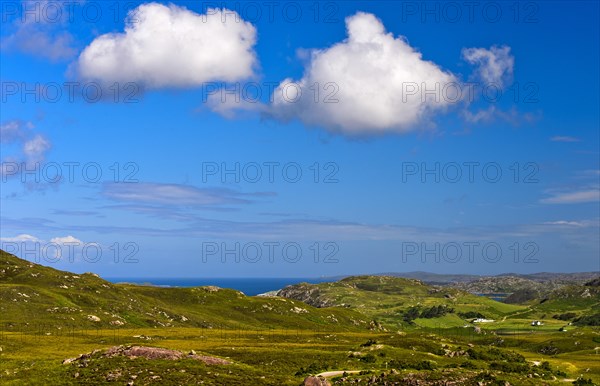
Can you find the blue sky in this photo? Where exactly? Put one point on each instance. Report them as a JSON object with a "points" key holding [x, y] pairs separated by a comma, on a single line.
{"points": [[202, 90]]}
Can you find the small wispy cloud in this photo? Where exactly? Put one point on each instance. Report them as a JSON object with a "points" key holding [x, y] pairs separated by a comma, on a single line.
{"points": [[27, 238], [574, 197], [14, 131], [68, 212], [565, 223], [564, 138], [33, 147], [65, 240], [38, 34], [494, 65], [22, 238], [492, 114], [36, 148], [177, 194]]}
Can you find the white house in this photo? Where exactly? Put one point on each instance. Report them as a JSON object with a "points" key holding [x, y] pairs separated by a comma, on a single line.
{"points": [[482, 320]]}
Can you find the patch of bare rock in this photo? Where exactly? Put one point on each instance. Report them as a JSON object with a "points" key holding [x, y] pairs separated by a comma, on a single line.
{"points": [[315, 381], [133, 352]]}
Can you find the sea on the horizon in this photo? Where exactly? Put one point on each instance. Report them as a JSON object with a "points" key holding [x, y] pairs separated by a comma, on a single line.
{"points": [[249, 286]]}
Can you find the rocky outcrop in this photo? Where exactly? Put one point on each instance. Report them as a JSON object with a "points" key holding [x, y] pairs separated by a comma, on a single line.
{"points": [[593, 283], [503, 284], [376, 326], [524, 288], [133, 352], [315, 381], [93, 318], [393, 377], [306, 293]]}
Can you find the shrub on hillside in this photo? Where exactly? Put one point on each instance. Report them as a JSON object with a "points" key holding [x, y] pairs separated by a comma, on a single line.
{"points": [[403, 364], [427, 313], [565, 316], [588, 320], [369, 343], [436, 311], [510, 367], [495, 354], [583, 382], [472, 315], [410, 314]]}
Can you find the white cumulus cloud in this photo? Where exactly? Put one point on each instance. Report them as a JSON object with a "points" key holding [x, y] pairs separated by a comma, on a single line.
{"points": [[171, 46], [370, 83]]}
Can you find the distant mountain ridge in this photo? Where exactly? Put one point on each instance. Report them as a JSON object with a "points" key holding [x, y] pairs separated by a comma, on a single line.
{"points": [[507, 287], [441, 278]]}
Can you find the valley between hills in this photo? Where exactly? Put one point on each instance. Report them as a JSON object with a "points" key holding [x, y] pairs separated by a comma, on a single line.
{"points": [[60, 328]]}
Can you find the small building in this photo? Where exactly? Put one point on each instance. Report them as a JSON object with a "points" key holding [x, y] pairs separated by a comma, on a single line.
{"points": [[482, 320]]}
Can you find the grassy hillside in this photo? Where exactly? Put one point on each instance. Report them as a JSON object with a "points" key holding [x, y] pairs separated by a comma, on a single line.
{"points": [[387, 298], [33, 293], [358, 324], [580, 300]]}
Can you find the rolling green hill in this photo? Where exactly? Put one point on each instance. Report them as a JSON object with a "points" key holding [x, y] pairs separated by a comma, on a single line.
{"points": [[387, 299], [581, 300], [382, 329], [32, 292]]}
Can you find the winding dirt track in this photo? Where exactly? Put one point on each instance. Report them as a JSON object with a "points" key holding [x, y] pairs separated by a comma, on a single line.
{"points": [[328, 374]]}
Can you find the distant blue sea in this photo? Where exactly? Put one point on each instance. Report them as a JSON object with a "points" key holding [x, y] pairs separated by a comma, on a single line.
{"points": [[250, 287]]}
